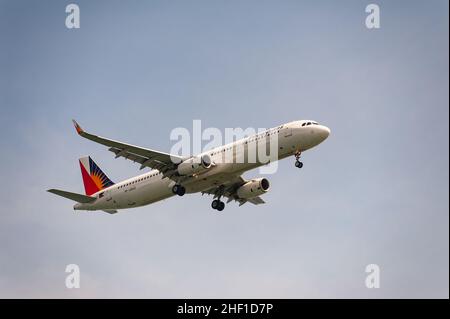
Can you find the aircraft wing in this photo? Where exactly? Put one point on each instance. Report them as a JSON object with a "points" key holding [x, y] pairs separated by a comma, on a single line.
{"points": [[229, 188], [164, 162]]}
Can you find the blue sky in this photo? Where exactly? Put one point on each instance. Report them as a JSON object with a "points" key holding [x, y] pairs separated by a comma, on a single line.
{"points": [[375, 192]]}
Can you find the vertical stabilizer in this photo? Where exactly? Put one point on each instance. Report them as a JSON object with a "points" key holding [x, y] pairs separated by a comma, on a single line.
{"points": [[94, 179]]}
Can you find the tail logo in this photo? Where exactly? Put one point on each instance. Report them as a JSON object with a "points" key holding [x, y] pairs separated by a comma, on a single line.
{"points": [[94, 179]]}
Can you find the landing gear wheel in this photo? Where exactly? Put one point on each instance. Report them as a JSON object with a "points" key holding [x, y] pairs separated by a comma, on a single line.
{"points": [[298, 164], [178, 190], [181, 191], [215, 204]]}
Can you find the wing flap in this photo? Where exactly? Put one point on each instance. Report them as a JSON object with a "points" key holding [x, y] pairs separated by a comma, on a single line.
{"points": [[256, 200], [110, 211]]}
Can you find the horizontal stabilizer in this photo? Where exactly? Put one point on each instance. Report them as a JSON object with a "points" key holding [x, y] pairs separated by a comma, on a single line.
{"points": [[73, 196]]}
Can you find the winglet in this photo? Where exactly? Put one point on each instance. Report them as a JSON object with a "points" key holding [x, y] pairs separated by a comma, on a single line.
{"points": [[77, 127]]}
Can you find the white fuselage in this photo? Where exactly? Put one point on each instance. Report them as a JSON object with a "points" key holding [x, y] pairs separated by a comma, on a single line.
{"points": [[152, 186]]}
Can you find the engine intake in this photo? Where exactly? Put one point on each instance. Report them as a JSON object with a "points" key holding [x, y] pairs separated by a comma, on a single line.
{"points": [[253, 188], [194, 165]]}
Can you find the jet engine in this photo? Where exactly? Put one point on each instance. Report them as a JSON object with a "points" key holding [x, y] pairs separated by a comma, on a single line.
{"points": [[253, 188], [194, 165]]}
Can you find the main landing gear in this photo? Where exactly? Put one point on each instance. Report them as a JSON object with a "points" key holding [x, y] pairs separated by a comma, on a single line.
{"points": [[218, 205], [298, 164], [178, 190]]}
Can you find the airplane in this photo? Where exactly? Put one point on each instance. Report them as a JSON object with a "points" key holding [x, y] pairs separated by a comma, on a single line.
{"points": [[204, 173]]}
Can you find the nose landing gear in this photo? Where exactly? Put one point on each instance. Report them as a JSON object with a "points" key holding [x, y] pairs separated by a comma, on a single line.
{"points": [[298, 164], [218, 205], [178, 190]]}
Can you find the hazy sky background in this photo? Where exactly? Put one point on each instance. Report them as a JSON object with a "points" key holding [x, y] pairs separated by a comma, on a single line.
{"points": [[375, 192]]}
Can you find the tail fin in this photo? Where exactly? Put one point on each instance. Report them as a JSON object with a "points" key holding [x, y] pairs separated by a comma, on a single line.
{"points": [[94, 179]]}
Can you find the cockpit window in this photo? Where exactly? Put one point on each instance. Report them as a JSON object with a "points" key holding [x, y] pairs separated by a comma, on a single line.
{"points": [[309, 123]]}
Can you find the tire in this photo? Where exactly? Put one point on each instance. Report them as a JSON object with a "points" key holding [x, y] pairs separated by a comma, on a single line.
{"points": [[221, 206], [215, 204], [175, 189], [298, 164], [181, 191]]}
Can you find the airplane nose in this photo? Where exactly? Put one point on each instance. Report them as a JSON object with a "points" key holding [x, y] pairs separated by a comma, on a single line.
{"points": [[324, 132]]}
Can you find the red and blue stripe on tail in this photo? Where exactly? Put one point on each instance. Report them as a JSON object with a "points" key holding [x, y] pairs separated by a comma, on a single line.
{"points": [[94, 179]]}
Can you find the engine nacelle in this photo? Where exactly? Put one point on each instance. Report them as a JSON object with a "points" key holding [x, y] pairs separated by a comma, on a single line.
{"points": [[253, 188], [194, 165]]}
